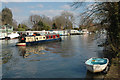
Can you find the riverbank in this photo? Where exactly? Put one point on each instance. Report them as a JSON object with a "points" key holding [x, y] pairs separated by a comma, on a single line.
{"points": [[114, 71]]}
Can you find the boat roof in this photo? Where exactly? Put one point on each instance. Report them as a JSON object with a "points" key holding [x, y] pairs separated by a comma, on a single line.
{"points": [[42, 35]]}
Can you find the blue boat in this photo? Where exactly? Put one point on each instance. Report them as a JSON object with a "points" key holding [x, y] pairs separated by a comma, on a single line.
{"points": [[37, 38], [97, 64]]}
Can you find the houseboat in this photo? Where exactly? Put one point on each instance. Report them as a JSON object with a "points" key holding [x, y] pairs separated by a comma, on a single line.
{"points": [[25, 40]]}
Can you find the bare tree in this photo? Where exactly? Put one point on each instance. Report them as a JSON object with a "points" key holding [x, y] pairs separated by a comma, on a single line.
{"points": [[34, 19], [46, 20], [69, 19], [64, 21], [59, 21], [107, 15], [14, 24]]}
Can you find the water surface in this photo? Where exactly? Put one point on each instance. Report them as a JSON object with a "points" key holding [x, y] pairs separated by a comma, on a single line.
{"points": [[65, 59]]}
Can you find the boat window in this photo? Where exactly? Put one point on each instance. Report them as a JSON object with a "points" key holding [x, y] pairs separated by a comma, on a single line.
{"points": [[51, 36], [47, 37], [43, 37], [58, 36], [38, 34], [37, 38], [27, 33]]}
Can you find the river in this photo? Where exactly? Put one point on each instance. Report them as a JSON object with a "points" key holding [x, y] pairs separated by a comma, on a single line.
{"points": [[65, 59]]}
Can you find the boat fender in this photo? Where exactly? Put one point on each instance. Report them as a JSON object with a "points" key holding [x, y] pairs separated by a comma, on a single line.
{"points": [[34, 34]]}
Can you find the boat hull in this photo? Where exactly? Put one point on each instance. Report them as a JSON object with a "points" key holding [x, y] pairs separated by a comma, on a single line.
{"points": [[97, 67], [37, 42], [21, 44]]}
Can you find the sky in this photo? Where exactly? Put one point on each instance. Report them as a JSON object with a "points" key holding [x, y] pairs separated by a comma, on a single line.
{"points": [[22, 10]]}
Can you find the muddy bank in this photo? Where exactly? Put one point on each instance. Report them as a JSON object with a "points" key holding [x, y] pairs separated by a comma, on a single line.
{"points": [[114, 71]]}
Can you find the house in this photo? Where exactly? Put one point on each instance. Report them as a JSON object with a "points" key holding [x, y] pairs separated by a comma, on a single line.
{"points": [[5, 30], [84, 31]]}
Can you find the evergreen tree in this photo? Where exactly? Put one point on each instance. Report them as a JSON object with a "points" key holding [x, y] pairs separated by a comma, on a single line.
{"points": [[7, 16]]}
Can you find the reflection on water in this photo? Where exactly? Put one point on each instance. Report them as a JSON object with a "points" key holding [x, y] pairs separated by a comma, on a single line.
{"points": [[95, 76], [26, 52], [63, 59]]}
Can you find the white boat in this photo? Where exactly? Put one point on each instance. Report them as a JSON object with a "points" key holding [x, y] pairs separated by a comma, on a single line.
{"points": [[9, 35], [21, 44], [2, 35], [97, 64], [13, 35]]}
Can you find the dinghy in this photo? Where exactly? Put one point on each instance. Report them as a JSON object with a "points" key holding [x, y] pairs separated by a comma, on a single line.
{"points": [[97, 64]]}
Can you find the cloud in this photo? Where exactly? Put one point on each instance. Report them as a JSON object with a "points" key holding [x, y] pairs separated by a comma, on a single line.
{"points": [[51, 13], [40, 6], [37, 6], [5, 2], [16, 10], [65, 7], [20, 19]]}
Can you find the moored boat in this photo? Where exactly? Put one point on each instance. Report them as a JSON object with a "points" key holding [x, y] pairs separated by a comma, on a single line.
{"points": [[37, 38], [97, 64], [20, 44]]}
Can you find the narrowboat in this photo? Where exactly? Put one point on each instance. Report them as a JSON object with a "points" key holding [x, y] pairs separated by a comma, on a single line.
{"points": [[97, 64], [25, 40]]}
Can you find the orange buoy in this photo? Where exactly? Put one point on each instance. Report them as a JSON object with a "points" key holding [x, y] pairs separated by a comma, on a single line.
{"points": [[22, 38]]}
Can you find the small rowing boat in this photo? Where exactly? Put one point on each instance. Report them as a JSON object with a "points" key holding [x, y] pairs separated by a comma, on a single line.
{"points": [[37, 38], [97, 64]]}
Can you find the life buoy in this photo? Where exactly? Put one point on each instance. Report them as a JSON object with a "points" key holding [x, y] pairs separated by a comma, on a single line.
{"points": [[22, 39], [34, 34]]}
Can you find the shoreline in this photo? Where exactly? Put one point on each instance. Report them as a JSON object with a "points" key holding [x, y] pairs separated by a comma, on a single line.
{"points": [[114, 71]]}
